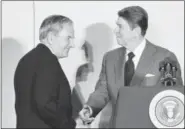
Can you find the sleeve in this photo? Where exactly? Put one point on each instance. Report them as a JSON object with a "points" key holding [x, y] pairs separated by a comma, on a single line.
{"points": [[100, 97]]}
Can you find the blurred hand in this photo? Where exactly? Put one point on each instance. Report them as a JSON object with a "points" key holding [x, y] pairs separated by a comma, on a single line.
{"points": [[85, 114], [80, 124]]}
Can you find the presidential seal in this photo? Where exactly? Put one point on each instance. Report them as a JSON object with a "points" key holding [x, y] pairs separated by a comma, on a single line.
{"points": [[167, 109]]}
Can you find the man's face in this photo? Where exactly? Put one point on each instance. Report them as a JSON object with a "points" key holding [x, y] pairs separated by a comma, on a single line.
{"points": [[63, 41], [125, 34]]}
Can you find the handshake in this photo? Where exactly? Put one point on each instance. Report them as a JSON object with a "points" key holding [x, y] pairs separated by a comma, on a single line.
{"points": [[85, 115]]}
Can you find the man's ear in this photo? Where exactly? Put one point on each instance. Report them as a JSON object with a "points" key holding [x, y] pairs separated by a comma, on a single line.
{"points": [[50, 38], [137, 31]]}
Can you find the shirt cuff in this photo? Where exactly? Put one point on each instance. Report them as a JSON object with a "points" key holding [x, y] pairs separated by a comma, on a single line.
{"points": [[90, 109]]}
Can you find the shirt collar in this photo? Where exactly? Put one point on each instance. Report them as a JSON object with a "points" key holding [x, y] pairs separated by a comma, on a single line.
{"points": [[139, 49]]}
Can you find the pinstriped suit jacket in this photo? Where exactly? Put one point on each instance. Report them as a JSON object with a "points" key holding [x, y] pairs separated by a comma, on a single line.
{"points": [[112, 74]]}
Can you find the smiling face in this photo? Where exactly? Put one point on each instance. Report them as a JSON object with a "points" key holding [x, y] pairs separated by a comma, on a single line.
{"points": [[63, 41], [125, 35]]}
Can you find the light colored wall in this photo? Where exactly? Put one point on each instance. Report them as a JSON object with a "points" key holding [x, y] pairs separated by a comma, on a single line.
{"points": [[94, 22], [17, 39], [0, 68]]}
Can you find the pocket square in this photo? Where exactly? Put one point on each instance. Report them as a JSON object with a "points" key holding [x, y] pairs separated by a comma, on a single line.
{"points": [[149, 75], [149, 80]]}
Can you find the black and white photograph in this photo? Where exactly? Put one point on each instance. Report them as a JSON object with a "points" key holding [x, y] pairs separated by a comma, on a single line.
{"points": [[92, 64]]}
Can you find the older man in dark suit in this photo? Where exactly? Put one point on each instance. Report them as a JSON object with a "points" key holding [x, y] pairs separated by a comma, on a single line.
{"points": [[43, 94], [134, 64]]}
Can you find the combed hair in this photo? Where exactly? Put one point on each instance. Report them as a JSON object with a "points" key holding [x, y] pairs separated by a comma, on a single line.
{"points": [[81, 69], [54, 24], [135, 16]]}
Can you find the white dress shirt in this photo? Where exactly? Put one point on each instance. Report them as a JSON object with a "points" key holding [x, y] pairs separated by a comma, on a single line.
{"points": [[137, 52]]}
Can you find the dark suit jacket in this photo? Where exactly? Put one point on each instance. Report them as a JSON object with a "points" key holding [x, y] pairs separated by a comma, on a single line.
{"points": [[77, 101], [112, 74], [42, 91]]}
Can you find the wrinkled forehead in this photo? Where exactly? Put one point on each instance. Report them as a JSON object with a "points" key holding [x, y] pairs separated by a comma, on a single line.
{"points": [[67, 30]]}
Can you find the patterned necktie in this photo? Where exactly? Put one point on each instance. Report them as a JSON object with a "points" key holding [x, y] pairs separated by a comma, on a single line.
{"points": [[129, 69]]}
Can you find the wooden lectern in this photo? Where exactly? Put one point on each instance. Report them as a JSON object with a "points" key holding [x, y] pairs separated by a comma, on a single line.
{"points": [[132, 108]]}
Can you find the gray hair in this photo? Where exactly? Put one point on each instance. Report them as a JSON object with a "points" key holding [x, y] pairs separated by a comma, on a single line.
{"points": [[54, 24]]}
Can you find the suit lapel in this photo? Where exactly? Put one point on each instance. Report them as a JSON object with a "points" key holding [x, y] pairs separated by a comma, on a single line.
{"points": [[119, 66], [144, 63]]}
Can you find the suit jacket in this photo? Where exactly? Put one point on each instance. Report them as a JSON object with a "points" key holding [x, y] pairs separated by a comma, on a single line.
{"points": [[42, 91], [112, 74], [77, 101]]}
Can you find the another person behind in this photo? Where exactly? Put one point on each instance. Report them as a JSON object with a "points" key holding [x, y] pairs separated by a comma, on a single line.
{"points": [[42, 91], [129, 65], [77, 98], [82, 76]]}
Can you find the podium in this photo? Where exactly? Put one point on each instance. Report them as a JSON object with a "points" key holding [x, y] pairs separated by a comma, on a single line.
{"points": [[132, 107]]}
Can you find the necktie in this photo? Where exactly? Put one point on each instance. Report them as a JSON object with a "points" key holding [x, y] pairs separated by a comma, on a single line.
{"points": [[129, 69]]}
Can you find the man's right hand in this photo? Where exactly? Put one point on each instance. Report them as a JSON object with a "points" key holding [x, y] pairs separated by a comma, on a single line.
{"points": [[85, 114]]}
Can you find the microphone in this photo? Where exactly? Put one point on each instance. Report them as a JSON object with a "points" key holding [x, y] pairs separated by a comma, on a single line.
{"points": [[174, 68], [162, 69], [168, 68]]}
